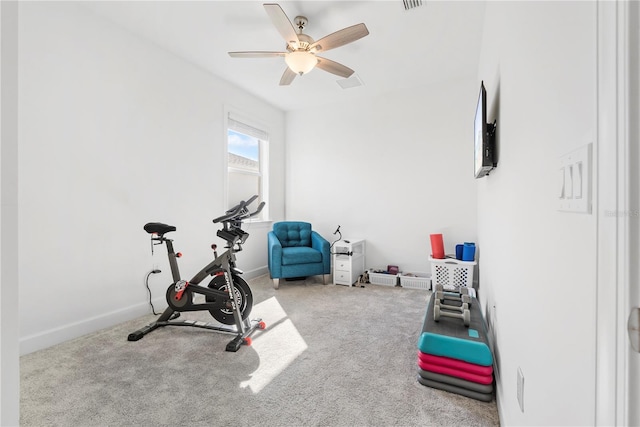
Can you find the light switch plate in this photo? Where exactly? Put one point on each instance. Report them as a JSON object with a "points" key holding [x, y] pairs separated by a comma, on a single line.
{"points": [[575, 188]]}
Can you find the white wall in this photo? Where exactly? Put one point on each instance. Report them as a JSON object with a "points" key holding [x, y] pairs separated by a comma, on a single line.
{"points": [[391, 170], [538, 265], [115, 132], [9, 348]]}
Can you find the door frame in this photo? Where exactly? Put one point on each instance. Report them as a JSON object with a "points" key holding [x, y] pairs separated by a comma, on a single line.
{"points": [[616, 194]]}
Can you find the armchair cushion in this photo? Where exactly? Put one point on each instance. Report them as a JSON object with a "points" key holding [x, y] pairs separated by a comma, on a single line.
{"points": [[300, 255]]}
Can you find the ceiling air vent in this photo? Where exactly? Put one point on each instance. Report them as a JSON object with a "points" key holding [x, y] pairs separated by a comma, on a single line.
{"points": [[410, 4]]}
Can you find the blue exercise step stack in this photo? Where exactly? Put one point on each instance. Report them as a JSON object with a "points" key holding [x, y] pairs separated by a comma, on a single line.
{"points": [[453, 357]]}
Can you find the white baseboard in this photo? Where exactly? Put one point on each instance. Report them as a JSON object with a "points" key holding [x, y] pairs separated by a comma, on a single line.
{"points": [[58, 335], [252, 274]]}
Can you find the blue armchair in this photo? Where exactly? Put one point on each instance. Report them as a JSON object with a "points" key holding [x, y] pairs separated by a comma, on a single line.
{"points": [[295, 250]]}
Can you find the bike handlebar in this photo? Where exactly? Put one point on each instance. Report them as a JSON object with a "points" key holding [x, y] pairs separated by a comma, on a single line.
{"points": [[239, 211], [260, 206], [231, 213], [255, 196]]}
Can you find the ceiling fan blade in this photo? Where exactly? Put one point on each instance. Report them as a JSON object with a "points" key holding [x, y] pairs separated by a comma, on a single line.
{"points": [[287, 77], [340, 38], [282, 23], [255, 54], [334, 67]]}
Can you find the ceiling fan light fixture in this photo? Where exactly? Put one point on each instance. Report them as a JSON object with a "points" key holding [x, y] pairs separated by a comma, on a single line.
{"points": [[300, 62], [300, 55]]}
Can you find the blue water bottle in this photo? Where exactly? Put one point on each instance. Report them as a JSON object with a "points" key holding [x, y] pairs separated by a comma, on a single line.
{"points": [[469, 251], [459, 250]]}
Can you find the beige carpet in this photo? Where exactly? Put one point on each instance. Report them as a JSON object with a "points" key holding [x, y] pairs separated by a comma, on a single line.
{"points": [[330, 356]]}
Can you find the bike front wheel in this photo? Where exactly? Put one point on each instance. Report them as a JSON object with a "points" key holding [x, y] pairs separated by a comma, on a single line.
{"points": [[223, 313]]}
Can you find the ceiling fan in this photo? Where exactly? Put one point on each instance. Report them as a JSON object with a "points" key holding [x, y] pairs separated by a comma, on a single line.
{"points": [[300, 55]]}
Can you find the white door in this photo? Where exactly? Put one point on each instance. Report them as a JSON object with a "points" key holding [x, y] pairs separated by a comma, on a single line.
{"points": [[633, 126]]}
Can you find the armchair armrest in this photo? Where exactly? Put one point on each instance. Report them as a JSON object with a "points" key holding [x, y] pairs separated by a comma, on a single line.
{"points": [[274, 255], [321, 244]]}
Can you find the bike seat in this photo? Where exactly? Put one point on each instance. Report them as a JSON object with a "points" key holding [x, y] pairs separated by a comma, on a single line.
{"points": [[158, 228]]}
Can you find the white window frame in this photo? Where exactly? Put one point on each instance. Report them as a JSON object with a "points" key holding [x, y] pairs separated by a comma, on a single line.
{"points": [[243, 123]]}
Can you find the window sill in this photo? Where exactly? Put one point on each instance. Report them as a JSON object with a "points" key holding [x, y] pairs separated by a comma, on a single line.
{"points": [[259, 222]]}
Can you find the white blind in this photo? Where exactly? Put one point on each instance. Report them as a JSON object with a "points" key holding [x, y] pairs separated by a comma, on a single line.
{"points": [[239, 125]]}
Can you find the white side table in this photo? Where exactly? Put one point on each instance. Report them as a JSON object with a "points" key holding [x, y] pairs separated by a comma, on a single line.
{"points": [[348, 261]]}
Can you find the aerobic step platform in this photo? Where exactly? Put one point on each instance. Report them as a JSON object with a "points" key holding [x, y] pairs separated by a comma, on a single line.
{"points": [[484, 397], [458, 365], [450, 338], [452, 372], [456, 382]]}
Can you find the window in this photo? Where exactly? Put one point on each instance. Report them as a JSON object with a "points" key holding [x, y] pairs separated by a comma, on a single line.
{"points": [[247, 155]]}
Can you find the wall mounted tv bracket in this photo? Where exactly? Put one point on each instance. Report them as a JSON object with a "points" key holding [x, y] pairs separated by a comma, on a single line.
{"points": [[491, 132]]}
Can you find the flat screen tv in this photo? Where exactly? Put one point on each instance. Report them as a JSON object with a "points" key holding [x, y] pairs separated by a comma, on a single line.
{"points": [[484, 138]]}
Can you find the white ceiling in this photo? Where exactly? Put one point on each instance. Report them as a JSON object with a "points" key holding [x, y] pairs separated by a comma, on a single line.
{"points": [[436, 42]]}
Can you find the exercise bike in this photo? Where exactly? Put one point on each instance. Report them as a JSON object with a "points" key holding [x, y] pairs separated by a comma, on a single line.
{"points": [[227, 297]]}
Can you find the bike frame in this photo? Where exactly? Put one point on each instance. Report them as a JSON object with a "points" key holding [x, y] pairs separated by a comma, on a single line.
{"points": [[226, 262], [233, 234]]}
